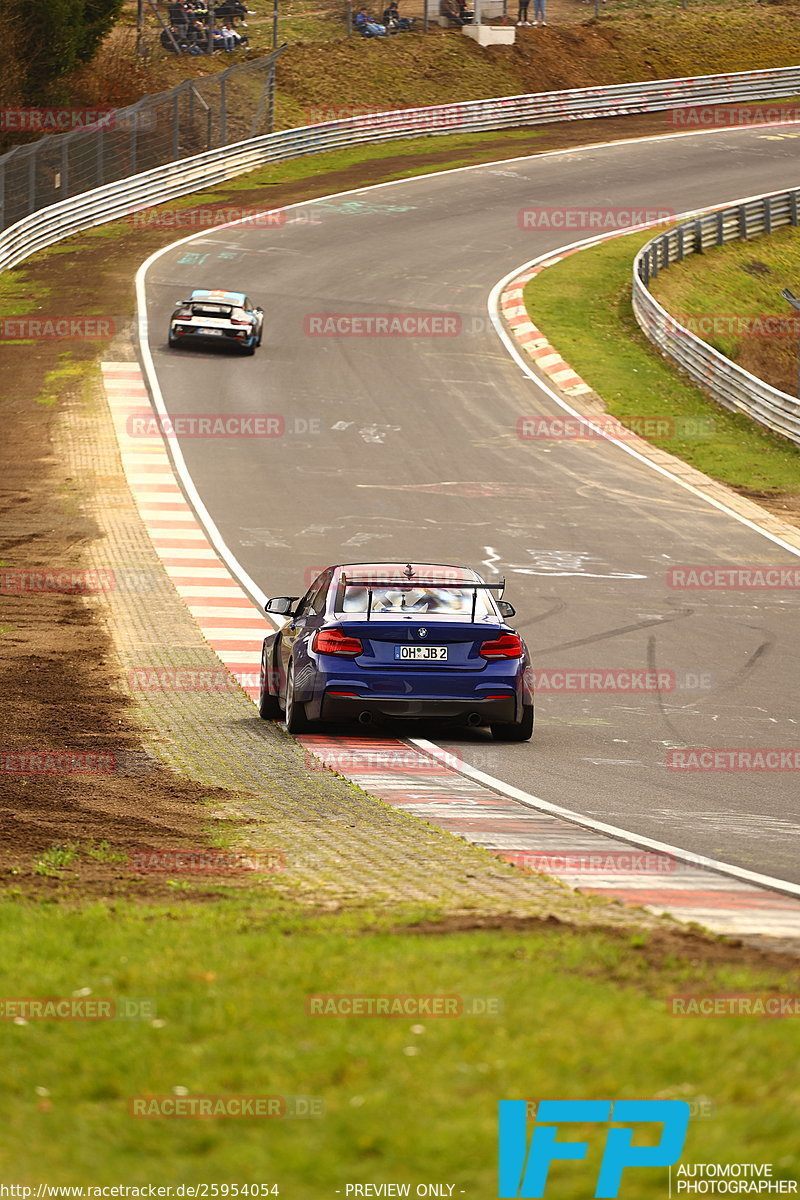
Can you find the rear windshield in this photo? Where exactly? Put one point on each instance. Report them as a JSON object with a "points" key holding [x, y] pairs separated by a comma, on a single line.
{"points": [[449, 602]]}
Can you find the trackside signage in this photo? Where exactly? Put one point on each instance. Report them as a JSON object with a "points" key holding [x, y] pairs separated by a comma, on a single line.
{"points": [[524, 1167]]}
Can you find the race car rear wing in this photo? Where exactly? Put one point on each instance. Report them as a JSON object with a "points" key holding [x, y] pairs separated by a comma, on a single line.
{"points": [[431, 582]]}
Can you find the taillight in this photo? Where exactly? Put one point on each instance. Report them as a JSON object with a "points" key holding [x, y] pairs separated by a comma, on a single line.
{"points": [[240, 320], [334, 641], [508, 645]]}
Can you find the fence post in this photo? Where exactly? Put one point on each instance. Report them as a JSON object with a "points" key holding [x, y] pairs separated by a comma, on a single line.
{"points": [[100, 157], [31, 179], [223, 111], [425, 19], [348, 17], [65, 167], [176, 125]]}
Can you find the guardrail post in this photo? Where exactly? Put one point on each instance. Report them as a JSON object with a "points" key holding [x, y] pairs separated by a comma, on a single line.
{"points": [[698, 237], [720, 228], [743, 222], [176, 126], [2, 194], [654, 261], [792, 208], [767, 214], [679, 232]]}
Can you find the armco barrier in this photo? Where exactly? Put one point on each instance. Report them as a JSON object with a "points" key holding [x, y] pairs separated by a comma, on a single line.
{"points": [[107, 203], [729, 384]]}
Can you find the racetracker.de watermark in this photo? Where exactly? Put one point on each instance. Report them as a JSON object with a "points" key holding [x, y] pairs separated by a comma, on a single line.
{"points": [[146, 424], [209, 217], [393, 1004], [733, 1004], [415, 117], [592, 219], [600, 679], [735, 758], [206, 861], [715, 325], [59, 580], [633, 862], [56, 762], [59, 120], [758, 576], [572, 429], [35, 327], [189, 679], [24, 1009], [183, 1105], [722, 116], [382, 325]]}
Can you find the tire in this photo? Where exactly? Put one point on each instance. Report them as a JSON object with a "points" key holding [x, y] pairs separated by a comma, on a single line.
{"points": [[522, 731], [171, 342], [268, 707], [248, 350], [296, 719]]}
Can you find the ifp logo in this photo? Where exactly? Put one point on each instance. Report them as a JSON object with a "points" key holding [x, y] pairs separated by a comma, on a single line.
{"points": [[524, 1169]]}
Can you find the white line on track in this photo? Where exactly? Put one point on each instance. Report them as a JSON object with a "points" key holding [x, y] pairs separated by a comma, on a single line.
{"points": [[238, 571]]}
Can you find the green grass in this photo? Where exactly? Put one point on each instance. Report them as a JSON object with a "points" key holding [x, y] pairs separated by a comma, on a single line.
{"points": [[406, 1099], [583, 306]]}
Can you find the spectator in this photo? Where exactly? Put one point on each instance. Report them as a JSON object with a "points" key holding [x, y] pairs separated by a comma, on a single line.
{"points": [[392, 19], [197, 38], [522, 12], [539, 12], [178, 16], [367, 26]]}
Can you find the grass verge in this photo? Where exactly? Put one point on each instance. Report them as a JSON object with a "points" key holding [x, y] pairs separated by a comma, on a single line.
{"points": [[583, 306], [582, 1014]]}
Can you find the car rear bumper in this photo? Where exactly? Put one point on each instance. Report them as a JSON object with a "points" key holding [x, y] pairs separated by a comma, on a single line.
{"points": [[478, 711], [227, 337]]}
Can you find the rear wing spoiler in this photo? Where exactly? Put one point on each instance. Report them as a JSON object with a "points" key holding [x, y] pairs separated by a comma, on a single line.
{"points": [[409, 584]]}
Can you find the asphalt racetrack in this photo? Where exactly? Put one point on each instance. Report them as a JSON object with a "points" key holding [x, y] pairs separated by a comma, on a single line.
{"points": [[407, 447]]}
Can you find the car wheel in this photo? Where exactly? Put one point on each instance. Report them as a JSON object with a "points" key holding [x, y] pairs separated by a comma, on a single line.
{"points": [[251, 349], [268, 707], [171, 342], [522, 731], [296, 719]]}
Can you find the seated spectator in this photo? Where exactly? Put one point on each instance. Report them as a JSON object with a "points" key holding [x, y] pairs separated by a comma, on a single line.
{"points": [[197, 37], [392, 19], [232, 39], [367, 26]]}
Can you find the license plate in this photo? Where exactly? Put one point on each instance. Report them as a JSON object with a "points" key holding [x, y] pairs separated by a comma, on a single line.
{"points": [[211, 332], [421, 653]]}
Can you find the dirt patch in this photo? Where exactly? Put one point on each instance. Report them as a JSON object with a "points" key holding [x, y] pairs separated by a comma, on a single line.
{"points": [[657, 948]]}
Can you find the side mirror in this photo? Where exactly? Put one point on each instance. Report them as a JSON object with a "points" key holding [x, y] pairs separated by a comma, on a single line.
{"points": [[506, 608], [280, 605]]}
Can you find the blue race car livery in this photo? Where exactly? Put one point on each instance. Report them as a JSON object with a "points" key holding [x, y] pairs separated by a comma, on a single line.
{"points": [[371, 641]]}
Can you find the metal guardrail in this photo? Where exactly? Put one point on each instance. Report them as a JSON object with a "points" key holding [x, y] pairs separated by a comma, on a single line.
{"points": [[111, 201], [729, 384]]}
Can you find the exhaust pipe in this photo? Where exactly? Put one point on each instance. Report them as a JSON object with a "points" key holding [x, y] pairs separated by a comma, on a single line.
{"points": [[474, 719], [365, 718]]}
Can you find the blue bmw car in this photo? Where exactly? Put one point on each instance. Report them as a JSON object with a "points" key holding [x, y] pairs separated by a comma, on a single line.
{"points": [[372, 641]]}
